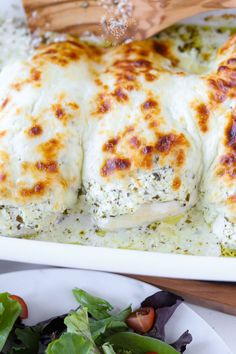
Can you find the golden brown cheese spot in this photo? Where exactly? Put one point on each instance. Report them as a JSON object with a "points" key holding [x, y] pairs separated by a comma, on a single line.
{"points": [[152, 125], [35, 131], [124, 77], [150, 77], [33, 79], [115, 164], [231, 61], [94, 51], [180, 158], [163, 48], [133, 66], [26, 166], [3, 177], [50, 149], [228, 74], [167, 141], [5, 103], [135, 142], [104, 104], [104, 107], [228, 166], [220, 89], [51, 166], [149, 104], [73, 105], [37, 190], [143, 52], [2, 133], [146, 150], [35, 74], [79, 45], [110, 145], [231, 199], [17, 86], [203, 114], [223, 83], [5, 192], [61, 53], [98, 82], [60, 113], [146, 158], [120, 95], [176, 183], [231, 133], [4, 156]]}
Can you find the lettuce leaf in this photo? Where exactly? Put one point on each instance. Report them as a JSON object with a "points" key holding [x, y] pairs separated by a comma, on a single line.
{"points": [[10, 310], [77, 322], [98, 308], [70, 343], [108, 349], [138, 344], [115, 323]]}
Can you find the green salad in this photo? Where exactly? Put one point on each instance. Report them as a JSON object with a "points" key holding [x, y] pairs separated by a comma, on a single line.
{"points": [[92, 328]]}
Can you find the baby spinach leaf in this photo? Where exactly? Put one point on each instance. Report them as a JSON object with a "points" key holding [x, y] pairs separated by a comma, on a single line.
{"points": [[138, 344], [98, 308], [29, 341]]}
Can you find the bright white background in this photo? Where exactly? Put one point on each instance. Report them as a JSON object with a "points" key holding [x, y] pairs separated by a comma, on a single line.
{"points": [[224, 325]]}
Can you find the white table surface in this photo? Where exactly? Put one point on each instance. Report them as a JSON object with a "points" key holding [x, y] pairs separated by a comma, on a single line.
{"points": [[224, 325]]}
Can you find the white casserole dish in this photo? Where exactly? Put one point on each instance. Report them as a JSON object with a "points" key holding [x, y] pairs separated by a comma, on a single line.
{"points": [[116, 260]]}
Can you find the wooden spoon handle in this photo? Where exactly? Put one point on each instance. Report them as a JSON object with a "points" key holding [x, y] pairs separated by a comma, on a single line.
{"points": [[177, 10], [69, 16], [148, 16], [214, 295]]}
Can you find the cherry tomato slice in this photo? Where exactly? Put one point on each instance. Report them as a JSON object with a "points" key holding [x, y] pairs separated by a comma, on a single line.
{"points": [[24, 308], [152, 353], [142, 320]]}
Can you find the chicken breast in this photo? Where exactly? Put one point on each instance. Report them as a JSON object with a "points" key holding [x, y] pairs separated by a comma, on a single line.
{"points": [[137, 136], [42, 102], [141, 161], [219, 183]]}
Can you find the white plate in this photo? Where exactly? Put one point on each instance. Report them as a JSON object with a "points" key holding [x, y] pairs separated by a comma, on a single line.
{"points": [[48, 293], [114, 260]]}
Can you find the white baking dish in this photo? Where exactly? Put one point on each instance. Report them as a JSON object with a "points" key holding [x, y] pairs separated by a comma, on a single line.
{"points": [[116, 260]]}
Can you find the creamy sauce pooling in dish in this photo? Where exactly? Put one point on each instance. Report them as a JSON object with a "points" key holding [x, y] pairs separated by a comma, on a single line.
{"points": [[189, 48]]}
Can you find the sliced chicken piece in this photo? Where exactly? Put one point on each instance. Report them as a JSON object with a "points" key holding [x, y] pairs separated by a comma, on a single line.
{"points": [[142, 158], [42, 103], [219, 141]]}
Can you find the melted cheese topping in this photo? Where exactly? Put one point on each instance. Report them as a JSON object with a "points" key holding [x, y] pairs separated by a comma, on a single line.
{"points": [[41, 125], [139, 153], [139, 136]]}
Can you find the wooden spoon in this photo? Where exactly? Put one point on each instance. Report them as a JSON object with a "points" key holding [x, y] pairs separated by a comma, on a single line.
{"points": [[116, 19], [215, 295]]}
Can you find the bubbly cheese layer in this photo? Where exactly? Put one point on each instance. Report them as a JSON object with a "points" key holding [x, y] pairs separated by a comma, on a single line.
{"points": [[141, 139], [42, 105]]}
